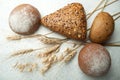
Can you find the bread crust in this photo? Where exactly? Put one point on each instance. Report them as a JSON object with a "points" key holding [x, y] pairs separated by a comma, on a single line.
{"points": [[33, 26], [94, 60], [69, 21]]}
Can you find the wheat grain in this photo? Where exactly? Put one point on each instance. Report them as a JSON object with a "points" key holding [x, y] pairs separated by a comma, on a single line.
{"points": [[21, 67], [48, 65], [49, 40], [70, 56], [45, 68], [45, 60], [54, 59], [50, 59], [30, 69], [61, 57], [27, 67], [49, 51]]}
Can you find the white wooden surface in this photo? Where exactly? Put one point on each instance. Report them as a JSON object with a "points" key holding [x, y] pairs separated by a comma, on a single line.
{"points": [[69, 71]]}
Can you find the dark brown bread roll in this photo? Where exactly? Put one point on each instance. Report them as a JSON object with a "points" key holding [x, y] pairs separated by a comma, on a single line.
{"points": [[94, 60], [24, 19]]}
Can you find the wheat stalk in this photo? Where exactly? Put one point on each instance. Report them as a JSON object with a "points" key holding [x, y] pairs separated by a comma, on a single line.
{"points": [[16, 37], [45, 60], [26, 67], [50, 40], [21, 67], [49, 50], [45, 68], [63, 54], [112, 44], [103, 6], [117, 18], [51, 58], [21, 52], [95, 9], [69, 56]]}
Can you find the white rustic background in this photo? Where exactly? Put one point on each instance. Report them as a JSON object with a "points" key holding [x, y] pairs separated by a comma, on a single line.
{"points": [[70, 71]]}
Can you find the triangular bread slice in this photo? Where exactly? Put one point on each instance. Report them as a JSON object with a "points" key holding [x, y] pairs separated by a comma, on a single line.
{"points": [[69, 21]]}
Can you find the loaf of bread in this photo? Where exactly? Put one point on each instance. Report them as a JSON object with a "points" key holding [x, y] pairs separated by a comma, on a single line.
{"points": [[69, 21]]}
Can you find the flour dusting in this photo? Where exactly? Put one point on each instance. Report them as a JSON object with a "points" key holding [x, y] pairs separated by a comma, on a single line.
{"points": [[98, 60], [22, 21]]}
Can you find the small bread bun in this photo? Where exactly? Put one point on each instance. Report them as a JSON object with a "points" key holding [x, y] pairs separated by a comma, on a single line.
{"points": [[102, 28], [24, 19], [94, 60]]}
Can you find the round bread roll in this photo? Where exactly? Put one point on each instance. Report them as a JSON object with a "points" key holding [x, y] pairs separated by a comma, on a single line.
{"points": [[94, 60], [102, 28], [24, 19]]}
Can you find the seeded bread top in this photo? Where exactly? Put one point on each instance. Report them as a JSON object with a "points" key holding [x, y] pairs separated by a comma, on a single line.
{"points": [[69, 21]]}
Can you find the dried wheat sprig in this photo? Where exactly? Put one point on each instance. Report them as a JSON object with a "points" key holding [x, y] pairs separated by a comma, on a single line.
{"points": [[21, 52], [45, 60], [49, 59], [103, 7], [21, 67], [26, 51], [62, 55], [43, 70], [16, 37], [49, 50], [19, 37], [70, 56], [48, 63], [50, 40], [26, 67], [95, 9], [31, 66]]}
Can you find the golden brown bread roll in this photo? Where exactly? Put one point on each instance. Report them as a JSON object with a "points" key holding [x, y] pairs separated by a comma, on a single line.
{"points": [[69, 21], [102, 28]]}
